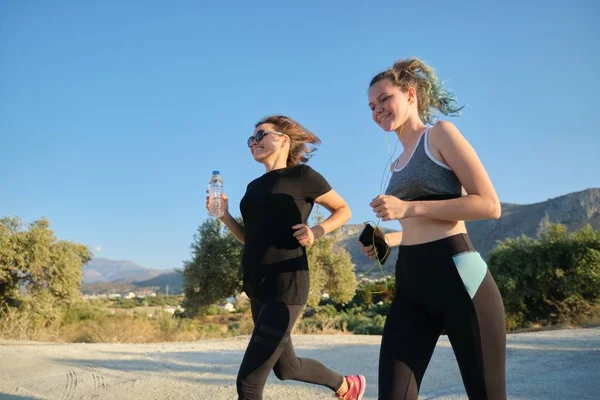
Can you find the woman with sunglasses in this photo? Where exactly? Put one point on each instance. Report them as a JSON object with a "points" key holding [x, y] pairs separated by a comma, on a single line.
{"points": [[275, 211]]}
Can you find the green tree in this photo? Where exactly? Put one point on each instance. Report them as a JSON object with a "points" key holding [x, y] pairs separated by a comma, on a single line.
{"points": [[553, 279], [33, 260], [331, 268], [214, 271]]}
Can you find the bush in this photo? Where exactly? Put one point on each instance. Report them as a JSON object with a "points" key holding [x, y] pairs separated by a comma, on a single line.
{"points": [[327, 310], [514, 321], [369, 293], [166, 322], [18, 324], [363, 297], [356, 320], [83, 311], [209, 330], [126, 303], [213, 310], [243, 326], [555, 279], [322, 324], [381, 309], [363, 322]]}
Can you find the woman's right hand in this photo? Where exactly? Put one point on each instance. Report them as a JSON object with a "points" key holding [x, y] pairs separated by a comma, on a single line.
{"points": [[224, 203], [370, 251]]}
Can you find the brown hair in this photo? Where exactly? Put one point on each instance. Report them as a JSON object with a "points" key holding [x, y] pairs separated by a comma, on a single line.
{"points": [[431, 96], [302, 141]]}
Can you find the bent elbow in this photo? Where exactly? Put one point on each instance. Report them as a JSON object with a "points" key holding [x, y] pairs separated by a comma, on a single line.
{"points": [[495, 210], [347, 214], [341, 215]]}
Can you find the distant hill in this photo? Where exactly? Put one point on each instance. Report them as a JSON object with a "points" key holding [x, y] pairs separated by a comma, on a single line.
{"points": [[158, 284], [573, 210], [119, 271], [107, 288], [174, 280], [102, 275]]}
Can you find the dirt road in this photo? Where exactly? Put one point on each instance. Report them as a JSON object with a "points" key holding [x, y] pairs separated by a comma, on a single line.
{"points": [[548, 365]]}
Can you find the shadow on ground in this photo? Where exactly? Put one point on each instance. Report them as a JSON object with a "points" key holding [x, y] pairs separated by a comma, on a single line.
{"points": [[538, 367]]}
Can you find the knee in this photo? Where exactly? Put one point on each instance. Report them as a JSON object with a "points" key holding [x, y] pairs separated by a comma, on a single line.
{"points": [[245, 390], [283, 373], [239, 383]]}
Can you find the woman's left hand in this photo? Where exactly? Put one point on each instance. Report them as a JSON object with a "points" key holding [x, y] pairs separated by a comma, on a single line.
{"points": [[304, 234], [390, 208]]}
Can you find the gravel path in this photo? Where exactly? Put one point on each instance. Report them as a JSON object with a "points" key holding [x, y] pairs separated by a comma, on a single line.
{"points": [[562, 364]]}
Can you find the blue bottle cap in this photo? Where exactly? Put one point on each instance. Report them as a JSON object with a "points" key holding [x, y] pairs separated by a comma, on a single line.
{"points": [[216, 173]]}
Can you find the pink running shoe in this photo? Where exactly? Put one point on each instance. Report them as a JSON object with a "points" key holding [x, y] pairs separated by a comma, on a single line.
{"points": [[356, 388]]}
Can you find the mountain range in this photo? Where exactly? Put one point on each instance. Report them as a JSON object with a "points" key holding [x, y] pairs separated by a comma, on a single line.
{"points": [[102, 275], [117, 271], [573, 210]]}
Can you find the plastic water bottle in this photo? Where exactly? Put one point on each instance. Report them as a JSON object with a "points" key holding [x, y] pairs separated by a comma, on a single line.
{"points": [[215, 190]]}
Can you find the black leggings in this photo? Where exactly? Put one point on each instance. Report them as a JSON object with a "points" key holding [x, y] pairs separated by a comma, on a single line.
{"points": [[443, 285], [270, 348]]}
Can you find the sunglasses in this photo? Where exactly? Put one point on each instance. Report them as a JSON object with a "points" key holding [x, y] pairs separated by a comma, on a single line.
{"points": [[260, 135]]}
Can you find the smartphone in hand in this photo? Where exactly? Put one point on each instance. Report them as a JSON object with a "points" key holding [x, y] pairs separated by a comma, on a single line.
{"points": [[366, 238]]}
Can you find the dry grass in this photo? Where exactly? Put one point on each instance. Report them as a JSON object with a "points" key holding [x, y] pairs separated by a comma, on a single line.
{"points": [[163, 327], [127, 329], [321, 324], [85, 323], [94, 323], [23, 326]]}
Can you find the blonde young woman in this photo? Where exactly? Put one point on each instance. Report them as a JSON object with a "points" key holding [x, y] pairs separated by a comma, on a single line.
{"points": [[442, 283], [275, 211]]}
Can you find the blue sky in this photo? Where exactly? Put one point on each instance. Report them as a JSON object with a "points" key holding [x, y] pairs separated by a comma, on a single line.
{"points": [[113, 115]]}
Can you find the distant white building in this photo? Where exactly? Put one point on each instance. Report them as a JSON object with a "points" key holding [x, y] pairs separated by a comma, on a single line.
{"points": [[228, 306]]}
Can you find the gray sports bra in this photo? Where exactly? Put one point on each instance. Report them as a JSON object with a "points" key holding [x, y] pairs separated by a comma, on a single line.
{"points": [[424, 177]]}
